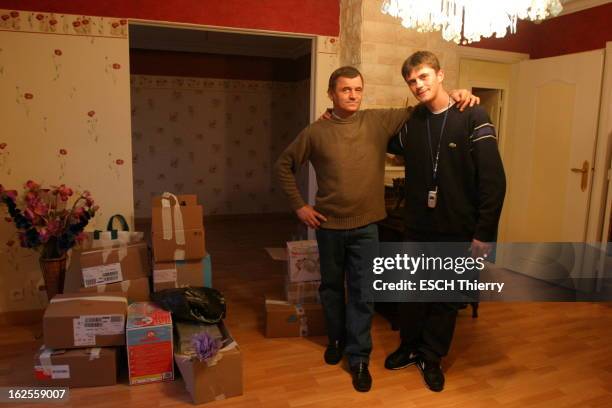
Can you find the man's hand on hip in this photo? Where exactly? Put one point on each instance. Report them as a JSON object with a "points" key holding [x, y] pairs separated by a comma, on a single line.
{"points": [[310, 216]]}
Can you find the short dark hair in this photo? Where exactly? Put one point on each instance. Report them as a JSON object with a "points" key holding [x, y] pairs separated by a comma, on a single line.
{"points": [[347, 72], [420, 58]]}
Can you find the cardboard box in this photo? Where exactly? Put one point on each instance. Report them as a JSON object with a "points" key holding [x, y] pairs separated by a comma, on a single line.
{"points": [[78, 320], [303, 261], [149, 343], [217, 379], [178, 274], [177, 231], [136, 290], [302, 292], [87, 367], [115, 264], [284, 319]]}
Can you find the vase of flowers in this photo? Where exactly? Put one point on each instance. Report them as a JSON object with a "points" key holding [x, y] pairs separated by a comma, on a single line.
{"points": [[46, 221]]}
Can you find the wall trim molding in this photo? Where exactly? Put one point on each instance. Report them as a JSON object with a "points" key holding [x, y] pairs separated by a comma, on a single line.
{"points": [[574, 6], [484, 54]]}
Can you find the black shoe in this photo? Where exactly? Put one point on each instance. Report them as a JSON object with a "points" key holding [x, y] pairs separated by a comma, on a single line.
{"points": [[400, 358], [432, 374], [362, 380], [333, 353]]}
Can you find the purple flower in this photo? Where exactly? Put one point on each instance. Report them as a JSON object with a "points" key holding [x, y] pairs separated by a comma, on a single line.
{"points": [[206, 347]]}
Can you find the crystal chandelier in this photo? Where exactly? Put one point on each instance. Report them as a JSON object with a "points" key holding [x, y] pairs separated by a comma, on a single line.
{"points": [[465, 21]]}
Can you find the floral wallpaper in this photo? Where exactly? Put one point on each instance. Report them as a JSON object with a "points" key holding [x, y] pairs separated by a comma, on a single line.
{"points": [[64, 103], [216, 138]]}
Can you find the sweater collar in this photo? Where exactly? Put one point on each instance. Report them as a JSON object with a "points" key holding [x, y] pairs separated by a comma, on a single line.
{"points": [[350, 119]]}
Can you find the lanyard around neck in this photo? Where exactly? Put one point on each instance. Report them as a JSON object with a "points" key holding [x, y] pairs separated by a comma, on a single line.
{"points": [[436, 161]]}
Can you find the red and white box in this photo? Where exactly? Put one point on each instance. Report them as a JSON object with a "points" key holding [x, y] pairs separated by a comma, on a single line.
{"points": [[149, 343], [303, 261]]}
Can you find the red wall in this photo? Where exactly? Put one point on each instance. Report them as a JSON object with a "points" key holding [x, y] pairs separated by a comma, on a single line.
{"points": [[581, 31], [152, 62], [298, 16]]}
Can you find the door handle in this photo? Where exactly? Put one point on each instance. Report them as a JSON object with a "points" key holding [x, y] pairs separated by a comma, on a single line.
{"points": [[585, 174]]}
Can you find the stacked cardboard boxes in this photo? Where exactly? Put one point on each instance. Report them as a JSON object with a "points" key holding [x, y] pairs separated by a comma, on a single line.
{"points": [[81, 333], [179, 249], [300, 313]]}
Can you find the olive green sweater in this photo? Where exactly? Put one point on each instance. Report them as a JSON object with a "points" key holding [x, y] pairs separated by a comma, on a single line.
{"points": [[348, 156]]}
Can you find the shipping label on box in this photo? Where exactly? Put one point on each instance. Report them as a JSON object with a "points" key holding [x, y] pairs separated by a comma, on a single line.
{"points": [[85, 319], [177, 228], [87, 328], [102, 274], [136, 290], [115, 264], [284, 319], [302, 292], [179, 274], [149, 343], [76, 368], [217, 378], [303, 261]]}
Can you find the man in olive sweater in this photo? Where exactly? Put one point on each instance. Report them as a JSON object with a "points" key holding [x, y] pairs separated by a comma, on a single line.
{"points": [[348, 154]]}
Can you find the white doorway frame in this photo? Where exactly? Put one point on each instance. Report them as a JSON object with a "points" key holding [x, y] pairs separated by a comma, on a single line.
{"points": [[324, 58]]}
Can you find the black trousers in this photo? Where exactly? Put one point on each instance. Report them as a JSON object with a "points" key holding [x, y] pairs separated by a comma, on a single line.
{"points": [[428, 327]]}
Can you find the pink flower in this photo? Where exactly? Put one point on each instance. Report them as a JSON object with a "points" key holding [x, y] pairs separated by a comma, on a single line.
{"points": [[54, 227], [88, 199], [39, 207], [12, 194], [78, 212], [81, 237], [44, 234], [32, 185], [64, 192], [30, 197], [29, 214]]}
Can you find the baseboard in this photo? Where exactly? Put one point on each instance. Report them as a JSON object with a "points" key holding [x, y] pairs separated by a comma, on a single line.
{"points": [[21, 317]]}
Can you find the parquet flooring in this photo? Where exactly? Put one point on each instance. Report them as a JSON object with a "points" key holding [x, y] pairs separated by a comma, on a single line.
{"points": [[514, 355]]}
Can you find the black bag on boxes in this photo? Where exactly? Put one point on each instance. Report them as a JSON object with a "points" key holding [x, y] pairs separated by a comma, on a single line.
{"points": [[192, 304]]}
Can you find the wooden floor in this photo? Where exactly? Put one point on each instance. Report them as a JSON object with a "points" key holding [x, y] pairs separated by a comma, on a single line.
{"points": [[513, 355]]}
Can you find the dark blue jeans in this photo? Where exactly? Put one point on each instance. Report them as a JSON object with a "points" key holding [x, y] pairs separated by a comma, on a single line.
{"points": [[346, 255]]}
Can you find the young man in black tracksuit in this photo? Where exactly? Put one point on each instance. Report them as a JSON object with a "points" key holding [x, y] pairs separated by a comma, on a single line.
{"points": [[455, 187]]}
